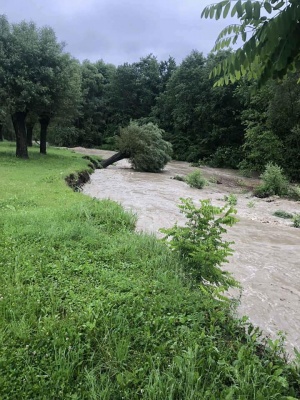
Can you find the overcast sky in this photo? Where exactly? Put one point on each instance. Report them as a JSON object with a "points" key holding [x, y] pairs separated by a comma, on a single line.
{"points": [[120, 31]]}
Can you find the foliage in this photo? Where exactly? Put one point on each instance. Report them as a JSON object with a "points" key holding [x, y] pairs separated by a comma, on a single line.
{"points": [[95, 109], [199, 243], [144, 146], [35, 76], [283, 214], [257, 140], [179, 178], [231, 199], [91, 310], [197, 117], [294, 192], [226, 157], [66, 136], [195, 179], [296, 221], [274, 43], [274, 182]]}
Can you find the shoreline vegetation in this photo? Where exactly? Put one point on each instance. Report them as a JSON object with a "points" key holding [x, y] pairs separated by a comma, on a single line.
{"points": [[90, 309]]}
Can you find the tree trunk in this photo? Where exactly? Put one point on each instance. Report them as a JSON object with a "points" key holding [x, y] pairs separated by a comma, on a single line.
{"points": [[29, 128], [18, 120], [116, 157], [1, 133], [44, 121]]}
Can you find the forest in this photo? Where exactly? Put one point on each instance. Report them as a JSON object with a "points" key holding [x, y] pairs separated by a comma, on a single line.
{"points": [[49, 96]]}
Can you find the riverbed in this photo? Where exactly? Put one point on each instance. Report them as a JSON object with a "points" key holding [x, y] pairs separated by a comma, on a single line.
{"points": [[266, 258]]}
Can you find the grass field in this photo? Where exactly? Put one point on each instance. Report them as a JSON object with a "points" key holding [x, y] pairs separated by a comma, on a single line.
{"points": [[91, 310]]}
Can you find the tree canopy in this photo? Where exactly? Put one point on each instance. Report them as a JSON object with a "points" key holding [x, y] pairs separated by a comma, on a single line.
{"points": [[270, 33], [35, 76], [144, 146]]}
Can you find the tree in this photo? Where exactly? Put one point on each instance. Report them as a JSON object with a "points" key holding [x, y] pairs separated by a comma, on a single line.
{"points": [[35, 77], [94, 113], [59, 75], [271, 45], [199, 119], [134, 89], [144, 146]]}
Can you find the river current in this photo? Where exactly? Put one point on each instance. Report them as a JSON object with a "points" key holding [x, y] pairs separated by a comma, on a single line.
{"points": [[266, 258]]}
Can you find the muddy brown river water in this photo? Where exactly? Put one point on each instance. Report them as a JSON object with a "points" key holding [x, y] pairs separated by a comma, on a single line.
{"points": [[266, 259]]}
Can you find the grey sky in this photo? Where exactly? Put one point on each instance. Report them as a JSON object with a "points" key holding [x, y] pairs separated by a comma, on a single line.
{"points": [[122, 31]]}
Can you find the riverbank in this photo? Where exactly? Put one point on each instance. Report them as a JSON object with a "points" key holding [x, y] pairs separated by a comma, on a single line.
{"points": [[89, 309]]}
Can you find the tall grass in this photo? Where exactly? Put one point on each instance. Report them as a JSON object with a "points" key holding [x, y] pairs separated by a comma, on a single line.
{"points": [[91, 310]]}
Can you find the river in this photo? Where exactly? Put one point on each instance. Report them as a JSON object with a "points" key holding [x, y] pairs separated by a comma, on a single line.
{"points": [[266, 258]]}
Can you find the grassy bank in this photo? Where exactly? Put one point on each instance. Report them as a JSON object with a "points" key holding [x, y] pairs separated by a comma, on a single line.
{"points": [[91, 310]]}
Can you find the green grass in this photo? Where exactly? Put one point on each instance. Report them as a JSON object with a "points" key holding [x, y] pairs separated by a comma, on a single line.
{"points": [[91, 310]]}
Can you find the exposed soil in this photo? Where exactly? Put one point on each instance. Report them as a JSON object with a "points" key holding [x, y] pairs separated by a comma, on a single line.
{"points": [[267, 249]]}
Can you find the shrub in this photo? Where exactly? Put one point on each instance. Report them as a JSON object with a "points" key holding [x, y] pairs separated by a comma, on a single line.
{"points": [[231, 199], [294, 192], [296, 221], [274, 182], [195, 180], [199, 243], [283, 214]]}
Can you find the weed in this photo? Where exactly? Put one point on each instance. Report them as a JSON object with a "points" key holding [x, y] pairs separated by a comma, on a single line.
{"points": [[195, 180], [296, 221], [231, 199], [251, 204], [241, 182], [180, 178], [213, 179], [283, 214]]}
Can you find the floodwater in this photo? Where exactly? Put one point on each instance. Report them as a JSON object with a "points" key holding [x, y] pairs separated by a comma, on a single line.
{"points": [[266, 259]]}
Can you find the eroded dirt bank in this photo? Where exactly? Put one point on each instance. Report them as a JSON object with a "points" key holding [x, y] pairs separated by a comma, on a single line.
{"points": [[267, 249]]}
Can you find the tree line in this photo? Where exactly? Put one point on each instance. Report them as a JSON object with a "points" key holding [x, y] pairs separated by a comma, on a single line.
{"points": [[47, 94]]}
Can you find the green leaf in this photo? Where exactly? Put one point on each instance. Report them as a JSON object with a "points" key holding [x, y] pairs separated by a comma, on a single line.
{"points": [[226, 10], [218, 12], [239, 8], [279, 5], [233, 11], [268, 7], [248, 9], [256, 10]]}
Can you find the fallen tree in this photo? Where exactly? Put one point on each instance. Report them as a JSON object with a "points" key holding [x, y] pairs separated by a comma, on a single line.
{"points": [[144, 146]]}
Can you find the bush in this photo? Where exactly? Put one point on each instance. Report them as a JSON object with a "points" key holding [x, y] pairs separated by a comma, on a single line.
{"points": [[199, 243], [195, 180], [296, 221], [145, 147], [231, 199], [294, 192], [274, 182]]}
